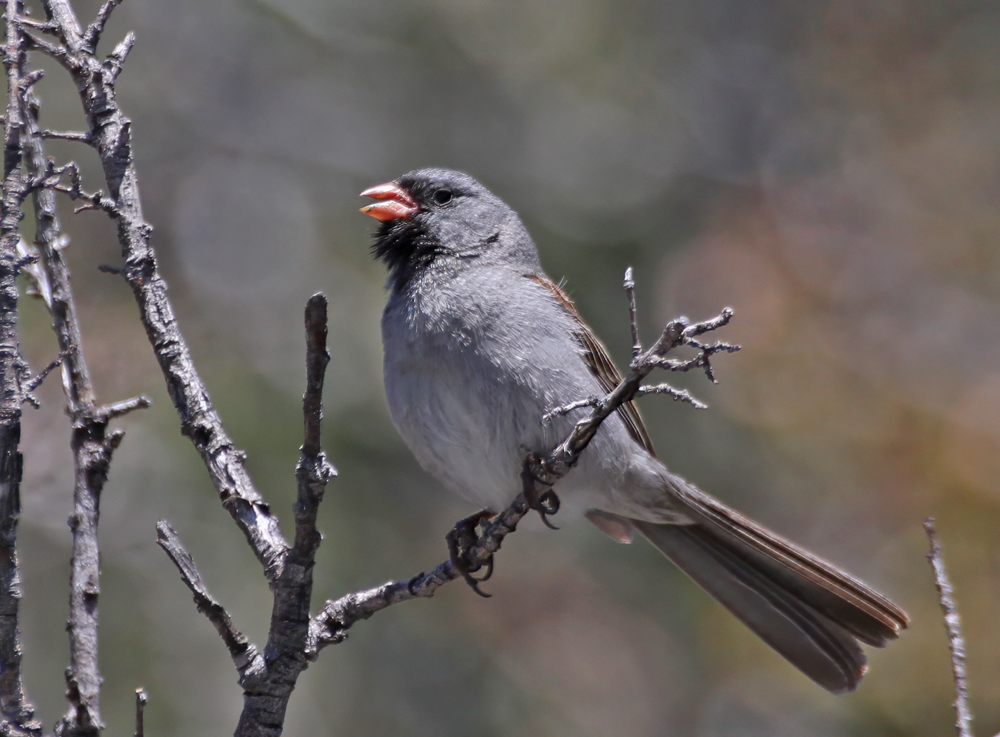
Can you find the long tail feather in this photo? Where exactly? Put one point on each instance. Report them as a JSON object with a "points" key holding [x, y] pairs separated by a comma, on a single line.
{"points": [[805, 608], [861, 610], [812, 643]]}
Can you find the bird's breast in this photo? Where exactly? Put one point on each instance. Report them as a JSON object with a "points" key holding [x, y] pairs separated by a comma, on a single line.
{"points": [[469, 374]]}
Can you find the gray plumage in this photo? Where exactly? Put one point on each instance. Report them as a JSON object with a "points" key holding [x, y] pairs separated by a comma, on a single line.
{"points": [[480, 344]]}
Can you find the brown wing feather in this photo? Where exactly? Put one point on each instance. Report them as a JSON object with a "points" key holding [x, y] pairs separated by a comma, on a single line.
{"points": [[600, 364], [776, 564]]}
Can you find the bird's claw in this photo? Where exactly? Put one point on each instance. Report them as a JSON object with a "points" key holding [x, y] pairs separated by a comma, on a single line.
{"points": [[536, 474], [547, 503], [461, 539]]}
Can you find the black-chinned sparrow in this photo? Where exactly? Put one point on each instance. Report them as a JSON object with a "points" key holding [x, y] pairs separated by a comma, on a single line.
{"points": [[480, 344]]}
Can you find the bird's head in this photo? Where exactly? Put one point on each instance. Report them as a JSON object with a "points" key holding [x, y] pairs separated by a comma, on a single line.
{"points": [[434, 215]]}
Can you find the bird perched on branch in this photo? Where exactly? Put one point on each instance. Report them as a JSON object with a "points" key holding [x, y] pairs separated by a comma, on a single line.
{"points": [[481, 346]]}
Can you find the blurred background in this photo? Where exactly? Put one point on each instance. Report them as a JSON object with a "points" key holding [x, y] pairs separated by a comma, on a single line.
{"points": [[831, 170]]}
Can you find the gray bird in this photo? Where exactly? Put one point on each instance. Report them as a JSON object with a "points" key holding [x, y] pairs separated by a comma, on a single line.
{"points": [[480, 344]]}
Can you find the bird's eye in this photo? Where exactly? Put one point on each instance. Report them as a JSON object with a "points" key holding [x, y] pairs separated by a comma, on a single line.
{"points": [[442, 196]]}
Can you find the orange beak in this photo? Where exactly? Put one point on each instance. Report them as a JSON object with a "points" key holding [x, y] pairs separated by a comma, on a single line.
{"points": [[393, 202]]}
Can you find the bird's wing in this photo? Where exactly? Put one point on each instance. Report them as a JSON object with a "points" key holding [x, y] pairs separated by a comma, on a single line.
{"points": [[599, 362]]}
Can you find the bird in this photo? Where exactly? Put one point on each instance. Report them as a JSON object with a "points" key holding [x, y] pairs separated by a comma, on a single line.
{"points": [[481, 345]]}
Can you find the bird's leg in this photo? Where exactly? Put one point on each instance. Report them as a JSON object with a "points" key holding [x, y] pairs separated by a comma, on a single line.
{"points": [[536, 474], [461, 538]]}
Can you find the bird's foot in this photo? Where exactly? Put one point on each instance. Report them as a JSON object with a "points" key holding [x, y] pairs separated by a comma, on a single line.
{"points": [[461, 539], [534, 477]]}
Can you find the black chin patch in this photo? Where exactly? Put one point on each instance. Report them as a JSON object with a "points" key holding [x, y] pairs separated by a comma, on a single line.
{"points": [[405, 248]]}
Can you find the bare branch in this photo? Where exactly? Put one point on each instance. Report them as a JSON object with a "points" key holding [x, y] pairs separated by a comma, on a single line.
{"points": [[567, 408], [117, 57], [91, 443], [34, 23], [57, 52], [953, 626], [248, 661], [630, 293], [65, 25], [81, 136], [680, 395], [677, 333], [37, 379], [330, 625], [16, 712], [30, 79], [265, 700], [120, 409], [317, 359], [95, 29], [267, 684], [141, 697], [313, 472], [92, 200], [110, 131]]}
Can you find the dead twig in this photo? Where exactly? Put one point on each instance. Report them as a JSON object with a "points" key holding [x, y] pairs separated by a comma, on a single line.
{"points": [[110, 132], [91, 442], [266, 698], [247, 659], [953, 626], [16, 711], [141, 697]]}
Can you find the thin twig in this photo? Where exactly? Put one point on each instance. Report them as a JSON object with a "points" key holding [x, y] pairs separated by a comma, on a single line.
{"points": [[567, 408], [677, 333], [38, 25], [141, 697], [95, 29], [680, 395], [119, 409], [633, 323], [39, 44], [81, 136], [37, 379], [953, 626], [330, 625], [248, 661], [314, 471]]}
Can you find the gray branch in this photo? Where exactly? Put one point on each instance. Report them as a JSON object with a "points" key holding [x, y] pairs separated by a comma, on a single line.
{"points": [[677, 333], [247, 659], [110, 132], [91, 443], [953, 626], [141, 697], [267, 684], [16, 712], [266, 698]]}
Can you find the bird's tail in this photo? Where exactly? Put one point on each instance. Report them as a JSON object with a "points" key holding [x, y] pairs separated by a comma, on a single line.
{"points": [[805, 608]]}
